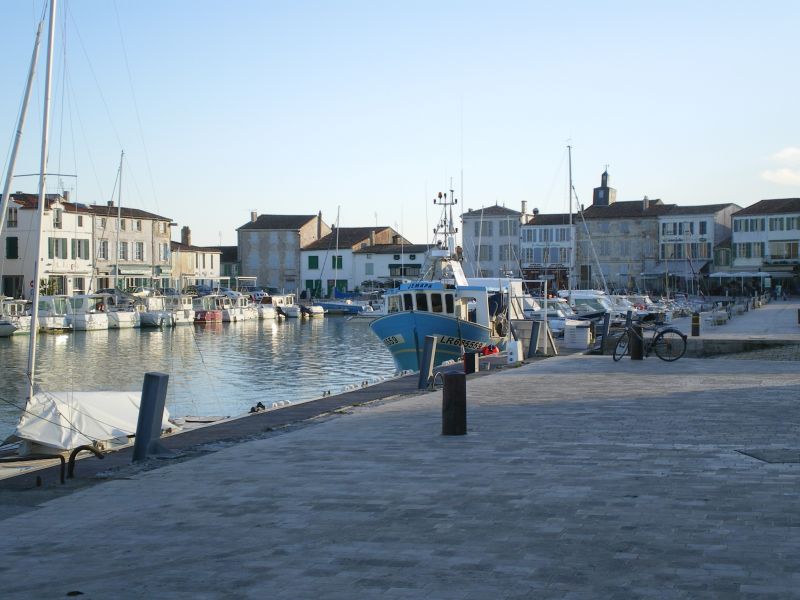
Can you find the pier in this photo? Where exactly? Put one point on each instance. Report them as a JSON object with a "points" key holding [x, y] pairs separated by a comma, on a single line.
{"points": [[578, 477]]}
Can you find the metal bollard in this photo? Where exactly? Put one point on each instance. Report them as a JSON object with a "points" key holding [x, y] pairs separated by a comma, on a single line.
{"points": [[695, 324], [635, 341], [151, 414], [798, 316], [454, 404], [471, 362], [426, 366]]}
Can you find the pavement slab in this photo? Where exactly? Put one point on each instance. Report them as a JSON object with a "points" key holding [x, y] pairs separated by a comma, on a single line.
{"points": [[579, 478]]}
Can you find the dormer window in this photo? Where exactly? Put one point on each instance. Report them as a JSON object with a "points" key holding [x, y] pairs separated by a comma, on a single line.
{"points": [[57, 218]]}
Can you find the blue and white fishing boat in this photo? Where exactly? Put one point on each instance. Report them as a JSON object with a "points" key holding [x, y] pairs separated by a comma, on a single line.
{"points": [[463, 315]]}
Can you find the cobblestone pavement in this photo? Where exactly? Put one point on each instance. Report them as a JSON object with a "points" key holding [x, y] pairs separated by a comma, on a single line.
{"points": [[579, 478]]}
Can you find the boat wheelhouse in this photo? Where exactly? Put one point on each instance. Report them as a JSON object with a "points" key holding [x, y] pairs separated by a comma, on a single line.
{"points": [[54, 314], [205, 310], [87, 312], [181, 308], [14, 317]]}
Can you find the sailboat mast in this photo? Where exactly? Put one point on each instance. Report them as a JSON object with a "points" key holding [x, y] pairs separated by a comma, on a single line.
{"points": [[119, 220], [569, 151], [336, 256], [20, 125], [42, 198]]}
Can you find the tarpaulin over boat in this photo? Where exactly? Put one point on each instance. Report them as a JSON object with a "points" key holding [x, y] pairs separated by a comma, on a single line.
{"points": [[66, 420]]}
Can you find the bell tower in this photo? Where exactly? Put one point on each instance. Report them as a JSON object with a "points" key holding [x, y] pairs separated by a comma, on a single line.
{"points": [[604, 195]]}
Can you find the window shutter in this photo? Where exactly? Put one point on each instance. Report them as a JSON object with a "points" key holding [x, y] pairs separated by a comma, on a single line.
{"points": [[50, 247], [74, 245]]}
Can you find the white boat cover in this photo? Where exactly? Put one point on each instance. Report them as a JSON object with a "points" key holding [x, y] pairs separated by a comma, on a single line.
{"points": [[66, 420]]}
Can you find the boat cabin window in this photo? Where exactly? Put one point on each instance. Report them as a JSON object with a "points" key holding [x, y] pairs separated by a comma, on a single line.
{"points": [[436, 303], [395, 304], [422, 301], [408, 302], [448, 304]]}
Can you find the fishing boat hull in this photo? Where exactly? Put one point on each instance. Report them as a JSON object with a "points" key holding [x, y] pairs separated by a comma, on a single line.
{"points": [[208, 316], [404, 335], [89, 322], [7, 328]]}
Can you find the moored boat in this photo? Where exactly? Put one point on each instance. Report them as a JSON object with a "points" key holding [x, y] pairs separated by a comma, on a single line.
{"points": [[14, 317], [54, 314], [87, 312], [181, 309]]}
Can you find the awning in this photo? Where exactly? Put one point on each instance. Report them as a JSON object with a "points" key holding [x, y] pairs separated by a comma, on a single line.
{"points": [[676, 268]]}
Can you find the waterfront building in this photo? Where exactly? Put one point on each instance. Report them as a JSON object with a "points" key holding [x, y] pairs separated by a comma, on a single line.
{"points": [[67, 246], [131, 247], [490, 240], [688, 238], [766, 238], [193, 264], [386, 265], [269, 247], [229, 261], [547, 248], [328, 263]]}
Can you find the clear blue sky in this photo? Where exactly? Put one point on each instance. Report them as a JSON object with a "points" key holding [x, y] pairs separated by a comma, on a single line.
{"points": [[294, 107]]}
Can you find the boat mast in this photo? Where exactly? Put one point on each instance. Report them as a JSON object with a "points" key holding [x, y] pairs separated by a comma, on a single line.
{"points": [[119, 220], [336, 255], [42, 199], [20, 125], [571, 277]]}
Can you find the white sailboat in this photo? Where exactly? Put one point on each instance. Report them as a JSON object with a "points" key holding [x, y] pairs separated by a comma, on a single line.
{"points": [[56, 422]]}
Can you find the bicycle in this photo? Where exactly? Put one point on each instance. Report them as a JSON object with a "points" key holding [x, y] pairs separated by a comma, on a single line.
{"points": [[669, 343]]}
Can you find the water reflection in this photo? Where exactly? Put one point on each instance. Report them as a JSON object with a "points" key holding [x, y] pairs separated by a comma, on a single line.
{"points": [[215, 369]]}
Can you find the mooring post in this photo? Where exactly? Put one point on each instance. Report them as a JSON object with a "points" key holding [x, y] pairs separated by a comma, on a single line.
{"points": [[471, 362], [426, 366], [604, 331], [151, 414], [454, 404], [635, 341], [533, 344], [695, 324], [628, 319]]}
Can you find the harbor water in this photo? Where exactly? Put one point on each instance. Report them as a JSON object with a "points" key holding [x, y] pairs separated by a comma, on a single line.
{"points": [[219, 369]]}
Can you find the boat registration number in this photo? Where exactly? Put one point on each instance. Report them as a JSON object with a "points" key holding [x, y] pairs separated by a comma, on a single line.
{"points": [[456, 341], [393, 339]]}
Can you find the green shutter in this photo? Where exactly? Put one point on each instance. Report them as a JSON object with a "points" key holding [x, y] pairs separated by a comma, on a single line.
{"points": [[74, 244], [50, 247]]}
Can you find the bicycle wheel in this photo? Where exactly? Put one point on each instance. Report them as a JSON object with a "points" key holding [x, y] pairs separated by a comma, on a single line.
{"points": [[623, 346], [669, 345]]}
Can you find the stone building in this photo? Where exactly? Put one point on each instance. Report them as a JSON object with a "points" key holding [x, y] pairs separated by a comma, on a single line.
{"points": [[193, 265], [490, 240], [269, 247], [66, 246]]}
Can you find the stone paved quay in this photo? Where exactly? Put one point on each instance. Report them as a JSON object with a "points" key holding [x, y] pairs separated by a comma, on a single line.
{"points": [[579, 478]]}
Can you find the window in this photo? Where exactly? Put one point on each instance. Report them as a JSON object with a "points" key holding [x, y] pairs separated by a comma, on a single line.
{"points": [[12, 247], [436, 303], [776, 223], [483, 229], [408, 302], [163, 252], [57, 248], [138, 251], [527, 255], [122, 224], [703, 227], [783, 249], [422, 301], [484, 252], [508, 227], [101, 222], [448, 304], [138, 224], [396, 257], [369, 268], [412, 257], [204, 261], [564, 255], [336, 262], [57, 218], [80, 220], [102, 250], [12, 217], [80, 249], [122, 251], [313, 263], [506, 252], [211, 258]]}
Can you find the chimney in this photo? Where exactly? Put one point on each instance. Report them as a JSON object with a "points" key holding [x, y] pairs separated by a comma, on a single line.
{"points": [[186, 235], [645, 204], [523, 218], [372, 238], [253, 216], [319, 225], [111, 203], [65, 195]]}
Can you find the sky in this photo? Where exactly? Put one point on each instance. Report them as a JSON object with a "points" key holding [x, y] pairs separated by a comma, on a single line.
{"points": [[368, 109]]}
